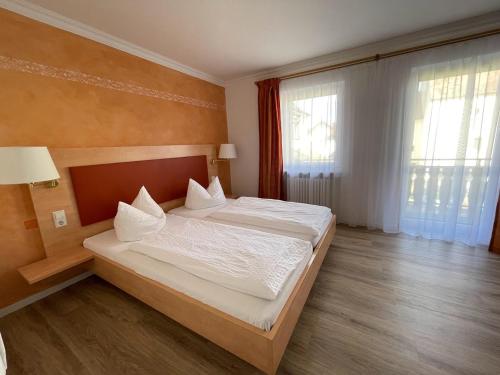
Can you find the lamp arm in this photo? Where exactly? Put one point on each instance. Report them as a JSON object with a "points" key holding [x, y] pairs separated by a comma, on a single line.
{"points": [[49, 184], [213, 161]]}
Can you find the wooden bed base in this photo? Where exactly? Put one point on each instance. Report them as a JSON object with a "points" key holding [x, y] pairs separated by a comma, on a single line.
{"points": [[255, 346]]}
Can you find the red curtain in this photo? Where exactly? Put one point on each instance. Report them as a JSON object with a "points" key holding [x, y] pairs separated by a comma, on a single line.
{"points": [[495, 236], [270, 148]]}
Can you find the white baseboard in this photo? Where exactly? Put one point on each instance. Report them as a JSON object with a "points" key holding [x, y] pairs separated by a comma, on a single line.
{"points": [[44, 293]]}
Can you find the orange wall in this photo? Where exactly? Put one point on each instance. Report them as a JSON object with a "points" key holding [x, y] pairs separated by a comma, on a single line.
{"points": [[41, 110]]}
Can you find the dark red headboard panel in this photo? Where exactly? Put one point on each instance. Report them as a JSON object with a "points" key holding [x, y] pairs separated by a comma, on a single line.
{"points": [[99, 188]]}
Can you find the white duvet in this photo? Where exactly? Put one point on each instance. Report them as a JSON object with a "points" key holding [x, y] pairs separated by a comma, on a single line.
{"points": [[251, 262], [289, 216]]}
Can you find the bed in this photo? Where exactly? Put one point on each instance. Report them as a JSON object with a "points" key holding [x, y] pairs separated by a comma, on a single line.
{"points": [[102, 176], [259, 312], [215, 214]]}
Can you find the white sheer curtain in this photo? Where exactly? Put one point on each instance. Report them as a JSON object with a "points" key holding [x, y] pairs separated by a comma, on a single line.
{"points": [[348, 171], [310, 108], [451, 171], [311, 112], [369, 141]]}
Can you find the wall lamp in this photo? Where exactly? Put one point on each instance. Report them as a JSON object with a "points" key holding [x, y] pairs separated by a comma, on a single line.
{"points": [[227, 151], [27, 165]]}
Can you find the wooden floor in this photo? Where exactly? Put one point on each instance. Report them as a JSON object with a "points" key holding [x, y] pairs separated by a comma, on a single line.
{"points": [[382, 304]]}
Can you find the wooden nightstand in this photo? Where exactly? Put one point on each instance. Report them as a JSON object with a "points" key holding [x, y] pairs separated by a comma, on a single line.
{"points": [[55, 264]]}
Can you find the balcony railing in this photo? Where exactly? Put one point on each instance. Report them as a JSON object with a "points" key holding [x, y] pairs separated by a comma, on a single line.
{"points": [[434, 190]]}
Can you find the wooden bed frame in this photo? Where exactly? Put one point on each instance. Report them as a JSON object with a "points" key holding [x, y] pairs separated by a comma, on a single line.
{"points": [[262, 349], [256, 346]]}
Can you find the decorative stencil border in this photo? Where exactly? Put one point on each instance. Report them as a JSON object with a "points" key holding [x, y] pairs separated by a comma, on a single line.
{"points": [[18, 65]]}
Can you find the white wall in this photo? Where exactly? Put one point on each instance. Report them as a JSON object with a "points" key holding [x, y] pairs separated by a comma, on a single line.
{"points": [[243, 130], [241, 93]]}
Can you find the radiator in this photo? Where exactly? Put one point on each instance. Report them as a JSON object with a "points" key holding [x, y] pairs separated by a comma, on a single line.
{"points": [[312, 190]]}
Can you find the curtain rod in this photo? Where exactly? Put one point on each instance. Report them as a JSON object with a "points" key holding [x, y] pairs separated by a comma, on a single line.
{"points": [[386, 55]]}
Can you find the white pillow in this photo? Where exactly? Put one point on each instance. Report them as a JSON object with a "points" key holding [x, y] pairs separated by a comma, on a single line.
{"points": [[216, 191], [132, 224], [145, 203], [198, 197]]}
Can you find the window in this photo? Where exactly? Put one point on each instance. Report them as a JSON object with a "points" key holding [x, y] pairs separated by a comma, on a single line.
{"points": [[449, 124], [309, 125], [454, 124]]}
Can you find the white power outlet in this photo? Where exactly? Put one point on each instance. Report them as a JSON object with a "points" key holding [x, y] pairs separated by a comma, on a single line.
{"points": [[59, 218]]}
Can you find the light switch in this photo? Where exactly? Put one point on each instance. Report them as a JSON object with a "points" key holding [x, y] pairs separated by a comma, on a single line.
{"points": [[59, 218]]}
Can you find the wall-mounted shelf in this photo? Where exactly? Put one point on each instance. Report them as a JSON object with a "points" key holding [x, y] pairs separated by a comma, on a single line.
{"points": [[55, 264]]}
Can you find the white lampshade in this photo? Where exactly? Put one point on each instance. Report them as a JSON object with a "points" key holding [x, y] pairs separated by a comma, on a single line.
{"points": [[227, 151], [25, 165]]}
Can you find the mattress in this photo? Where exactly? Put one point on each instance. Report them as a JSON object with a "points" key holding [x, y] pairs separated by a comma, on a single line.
{"points": [[205, 213], [258, 312]]}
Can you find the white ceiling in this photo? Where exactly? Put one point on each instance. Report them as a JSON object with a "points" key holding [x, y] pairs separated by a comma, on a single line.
{"points": [[231, 38]]}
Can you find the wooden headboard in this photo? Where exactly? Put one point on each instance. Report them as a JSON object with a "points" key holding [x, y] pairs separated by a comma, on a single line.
{"points": [[83, 160], [99, 188]]}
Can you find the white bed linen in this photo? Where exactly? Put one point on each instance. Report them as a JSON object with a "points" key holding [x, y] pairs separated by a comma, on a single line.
{"points": [[207, 214], [249, 261], [258, 312], [198, 214], [276, 214]]}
